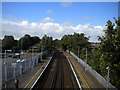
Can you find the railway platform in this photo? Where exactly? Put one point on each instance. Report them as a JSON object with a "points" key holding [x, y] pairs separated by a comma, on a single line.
{"points": [[28, 78], [85, 77]]}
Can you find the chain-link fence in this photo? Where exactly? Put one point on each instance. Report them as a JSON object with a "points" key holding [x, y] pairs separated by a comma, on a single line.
{"points": [[101, 79], [11, 70]]}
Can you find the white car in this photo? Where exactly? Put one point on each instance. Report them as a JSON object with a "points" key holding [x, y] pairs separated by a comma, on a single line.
{"points": [[17, 54]]}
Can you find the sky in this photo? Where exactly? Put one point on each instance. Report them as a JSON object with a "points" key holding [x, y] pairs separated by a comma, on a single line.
{"points": [[57, 18]]}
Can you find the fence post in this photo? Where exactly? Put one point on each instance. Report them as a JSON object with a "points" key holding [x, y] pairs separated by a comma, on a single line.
{"points": [[29, 63], [14, 66], [25, 65], [37, 60]]}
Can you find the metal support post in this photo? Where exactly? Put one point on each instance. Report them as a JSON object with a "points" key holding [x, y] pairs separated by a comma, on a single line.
{"points": [[14, 66], [108, 76], [41, 52], [5, 63], [78, 51], [20, 68], [86, 60], [25, 65], [32, 56]]}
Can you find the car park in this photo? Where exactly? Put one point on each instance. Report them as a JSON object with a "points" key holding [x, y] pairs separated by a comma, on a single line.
{"points": [[10, 55], [3, 55], [17, 54], [14, 56]]}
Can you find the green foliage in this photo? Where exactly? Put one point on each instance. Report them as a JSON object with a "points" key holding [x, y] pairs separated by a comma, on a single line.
{"points": [[8, 42], [72, 42], [57, 43], [46, 43], [107, 54], [110, 49], [27, 41]]}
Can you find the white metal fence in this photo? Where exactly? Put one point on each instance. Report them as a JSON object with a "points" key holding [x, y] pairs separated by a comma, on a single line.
{"points": [[101, 79], [10, 71]]}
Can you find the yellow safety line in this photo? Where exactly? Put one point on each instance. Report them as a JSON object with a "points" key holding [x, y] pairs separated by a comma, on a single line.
{"points": [[96, 80], [79, 72], [33, 77]]}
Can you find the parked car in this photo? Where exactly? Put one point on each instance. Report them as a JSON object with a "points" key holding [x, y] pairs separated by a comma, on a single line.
{"points": [[14, 56], [17, 54], [10, 55]]}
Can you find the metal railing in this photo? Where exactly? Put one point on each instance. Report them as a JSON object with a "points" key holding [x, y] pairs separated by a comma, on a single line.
{"points": [[17, 68], [101, 79]]}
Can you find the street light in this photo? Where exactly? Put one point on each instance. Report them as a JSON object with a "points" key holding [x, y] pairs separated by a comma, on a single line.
{"points": [[108, 75], [33, 56], [5, 63], [86, 60], [21, 45], [41, 52], [78, 51]]}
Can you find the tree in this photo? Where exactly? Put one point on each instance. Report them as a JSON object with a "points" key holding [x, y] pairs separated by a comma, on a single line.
{"points": [[57, 43], [27, 41], [110, 49], [35, 40], [8, 42], [47, 43], [74, 42]]}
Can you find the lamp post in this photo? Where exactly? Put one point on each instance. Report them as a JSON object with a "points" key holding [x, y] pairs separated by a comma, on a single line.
{"points": [[32, 56], [5, 63], [86, 54], [86, 60], [21, 45], [33, 60], [41, 52], [78, 51], [108, 75]]}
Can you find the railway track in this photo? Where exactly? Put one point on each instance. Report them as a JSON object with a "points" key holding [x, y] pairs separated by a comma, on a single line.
{"points": [[58, 75]]}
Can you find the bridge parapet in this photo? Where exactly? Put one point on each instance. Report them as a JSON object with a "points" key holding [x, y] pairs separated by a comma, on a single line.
{"points": [[100, 78]]}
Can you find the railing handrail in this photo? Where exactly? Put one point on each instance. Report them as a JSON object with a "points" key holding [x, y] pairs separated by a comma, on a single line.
{"points": [[100, 78]]}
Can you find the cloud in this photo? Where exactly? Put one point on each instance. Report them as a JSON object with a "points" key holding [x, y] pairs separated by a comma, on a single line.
{"points": [[50, 11], [66, 4], [47, 19], [56, 30], [90, 30]]}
